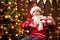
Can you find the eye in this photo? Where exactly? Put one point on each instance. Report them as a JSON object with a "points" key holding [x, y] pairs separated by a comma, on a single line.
{"points": [[33, 11]]}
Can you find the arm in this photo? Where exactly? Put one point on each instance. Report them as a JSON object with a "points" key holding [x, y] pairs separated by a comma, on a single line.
{"points": [[24, 24], [52, 25]]}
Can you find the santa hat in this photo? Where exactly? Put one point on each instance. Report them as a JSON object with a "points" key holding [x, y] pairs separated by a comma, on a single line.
{"points": [[34, 8]]}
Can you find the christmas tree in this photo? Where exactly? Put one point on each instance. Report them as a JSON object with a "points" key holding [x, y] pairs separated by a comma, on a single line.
{"points": [[9, 21]]}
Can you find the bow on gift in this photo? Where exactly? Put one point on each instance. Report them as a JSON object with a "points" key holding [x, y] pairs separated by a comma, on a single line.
{"points": [[46, 19]]}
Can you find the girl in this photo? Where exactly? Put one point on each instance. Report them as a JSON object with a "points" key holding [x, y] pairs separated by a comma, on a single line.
{"points": [[37, 26]]}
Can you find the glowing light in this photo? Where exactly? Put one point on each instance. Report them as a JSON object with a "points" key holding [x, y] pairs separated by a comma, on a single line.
{"points": [[50, 37], [21, 17], [16, 35], [10, 39], [9, 7], [9, 2], [59, 4], [2, 2], [57, 31], [26, 0], [18, 20], [0, 37], [52, 9], [42, 11], [6, 32], [49, 32], [16, 23], [12, 27], [58, 18], [26, 5], [50, 14], [57, 36], [2, 26], [5, 28], [22, 9], [18, 14], [58, 27], [6, 16]]}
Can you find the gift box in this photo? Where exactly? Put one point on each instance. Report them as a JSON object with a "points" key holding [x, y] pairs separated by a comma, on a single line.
{"points": [[46, 19]]}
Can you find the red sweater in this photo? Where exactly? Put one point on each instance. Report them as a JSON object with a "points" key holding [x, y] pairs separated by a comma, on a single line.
{"points": [[34, 32]]}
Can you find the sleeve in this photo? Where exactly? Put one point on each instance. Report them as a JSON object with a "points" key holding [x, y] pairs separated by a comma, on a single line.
{"points": [[24, 24], [52, 27]]}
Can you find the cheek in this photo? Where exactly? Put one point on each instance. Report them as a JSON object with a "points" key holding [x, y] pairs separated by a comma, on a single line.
{"points": [[33, 13]]}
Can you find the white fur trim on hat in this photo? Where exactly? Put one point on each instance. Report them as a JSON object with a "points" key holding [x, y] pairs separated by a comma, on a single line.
{"points": [[35, 8]]}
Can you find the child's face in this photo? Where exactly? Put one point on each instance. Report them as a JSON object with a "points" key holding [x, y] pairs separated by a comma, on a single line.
{"points": [[36, 13]]}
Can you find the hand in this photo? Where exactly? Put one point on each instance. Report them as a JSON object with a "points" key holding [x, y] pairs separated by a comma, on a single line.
{"points": [[33, 25], [52, 21]]}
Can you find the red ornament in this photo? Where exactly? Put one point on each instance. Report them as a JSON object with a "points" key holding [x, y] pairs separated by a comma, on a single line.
{"points": [[17, 31]]}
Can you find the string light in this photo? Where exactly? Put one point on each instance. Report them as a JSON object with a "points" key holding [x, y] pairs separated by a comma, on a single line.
{"points": [[58, 22], [21, 17], [16, 35], [59, 4], [49, 32], [52, 9], [42, 11], [26, 5], [58, 18], [57, 31], [6, 32], [58, 8], [15, 3], [9, 2], [9, 7], [1, 10], [50, 14], [16, 23], [21, 4], [2, 2], [9, 16], [26, 1], [5, 28], [58, 27], [6, 16], [12, 27], [50, 37], [2, 26], [57, 36], [22, 9], [18, 14], [10, 39], [0, 37], [18, 20]]}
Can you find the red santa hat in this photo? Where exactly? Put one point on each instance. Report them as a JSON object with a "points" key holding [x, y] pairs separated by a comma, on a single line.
{"points": [[34, 8]]}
